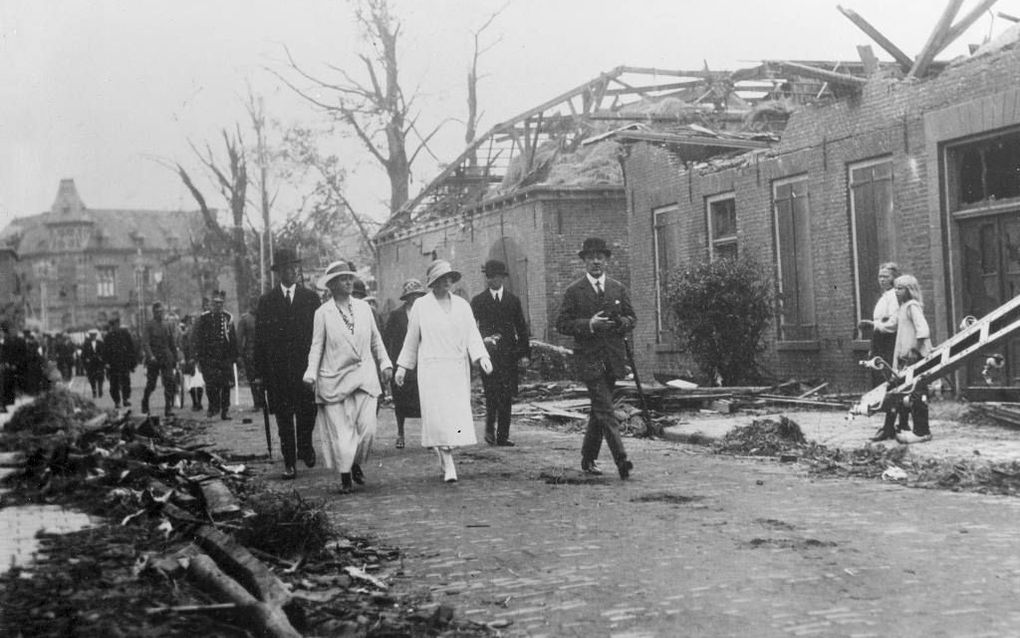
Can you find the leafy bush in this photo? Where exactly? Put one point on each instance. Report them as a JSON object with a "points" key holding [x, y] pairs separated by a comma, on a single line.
{"points": [[721, 310]]}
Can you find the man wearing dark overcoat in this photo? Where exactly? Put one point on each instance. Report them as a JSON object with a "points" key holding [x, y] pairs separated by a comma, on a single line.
{"points": [[159, 345], [13, 354], [92, 359], [120, 357], [215, 343], [504, 330], [283, 337], [597, 312]]}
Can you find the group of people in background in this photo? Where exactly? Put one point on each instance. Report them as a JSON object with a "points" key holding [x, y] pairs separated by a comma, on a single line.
{"points": [[323, 363], [901, 337]]}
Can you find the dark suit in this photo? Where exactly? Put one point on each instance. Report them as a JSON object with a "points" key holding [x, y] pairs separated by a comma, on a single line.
{"points": [[406, 402], [600, 358], [215, 341], [505, 332], [283, 337]]}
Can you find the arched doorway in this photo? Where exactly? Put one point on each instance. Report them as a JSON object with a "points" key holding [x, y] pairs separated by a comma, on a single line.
{"points": [[510, 253]]}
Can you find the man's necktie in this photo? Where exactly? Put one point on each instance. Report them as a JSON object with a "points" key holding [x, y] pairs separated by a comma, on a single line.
{"points": [[598, 289], [288, 296], [497, 298]]}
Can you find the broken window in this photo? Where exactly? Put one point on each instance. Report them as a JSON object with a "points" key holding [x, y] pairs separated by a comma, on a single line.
{"points": [[106, 281], [722, 226], [873, 231], [984, 171], [793, 250], [666, 226]]}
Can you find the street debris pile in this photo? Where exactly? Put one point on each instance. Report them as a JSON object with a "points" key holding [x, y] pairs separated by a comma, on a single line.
{"points": [[763, 437], [565, 404], [783, 440], [191, 543]]}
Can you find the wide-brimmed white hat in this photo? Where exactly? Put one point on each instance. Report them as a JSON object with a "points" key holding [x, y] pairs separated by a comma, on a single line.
{"points": [[333, 271], [437, 269]]}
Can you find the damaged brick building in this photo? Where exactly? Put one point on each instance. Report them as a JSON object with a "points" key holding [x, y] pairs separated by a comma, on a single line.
{"points": [[921, 170]]}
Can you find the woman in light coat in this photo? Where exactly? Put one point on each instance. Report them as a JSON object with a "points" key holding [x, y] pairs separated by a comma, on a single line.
{"points": [[442, 340], [342, 362]]}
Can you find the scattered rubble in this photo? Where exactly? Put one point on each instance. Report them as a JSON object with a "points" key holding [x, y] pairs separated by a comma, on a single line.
{"points": [[190, 543]]}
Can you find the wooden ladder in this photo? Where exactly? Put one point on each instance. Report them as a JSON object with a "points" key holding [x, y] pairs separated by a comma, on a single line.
{"points": [[991, 329]]}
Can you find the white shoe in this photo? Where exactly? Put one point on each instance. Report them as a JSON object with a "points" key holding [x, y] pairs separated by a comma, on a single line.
{"points": [[909, 437]]}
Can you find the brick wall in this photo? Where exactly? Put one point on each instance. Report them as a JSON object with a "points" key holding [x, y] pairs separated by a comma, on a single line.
{"points": [[537, 232], [886, 120]]}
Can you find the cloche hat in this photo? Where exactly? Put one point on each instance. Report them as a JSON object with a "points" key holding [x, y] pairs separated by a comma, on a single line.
{"points": [[437, 269], [412, 287], [334, 270]]}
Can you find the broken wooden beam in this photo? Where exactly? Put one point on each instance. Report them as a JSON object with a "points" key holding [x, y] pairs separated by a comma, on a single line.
{"points": [[901, 58], [262, 617], [239, 563], [868, 59], [931, 47], [964, 23], [813, 391], [840, 79]]}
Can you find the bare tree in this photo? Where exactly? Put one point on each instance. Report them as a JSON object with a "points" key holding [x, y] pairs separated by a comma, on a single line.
{"points": [[374, 106], [327, 223], [233, 187], [257, 114], [471, 126]]}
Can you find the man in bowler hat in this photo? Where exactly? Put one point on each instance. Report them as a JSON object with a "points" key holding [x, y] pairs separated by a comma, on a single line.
{"points": [[596, 311], [283, 337], [505, 334]]}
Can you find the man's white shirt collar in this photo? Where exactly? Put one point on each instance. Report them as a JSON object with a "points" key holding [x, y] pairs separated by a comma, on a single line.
{"points": [[497, 294], [592, 280], [287, 289]]}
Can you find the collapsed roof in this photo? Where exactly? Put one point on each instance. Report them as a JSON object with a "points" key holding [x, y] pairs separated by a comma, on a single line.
{"points": [[575, 139]]}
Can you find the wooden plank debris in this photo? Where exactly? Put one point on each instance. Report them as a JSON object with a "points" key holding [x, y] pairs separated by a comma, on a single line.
{"points": [[901, 58], [932, 46]]}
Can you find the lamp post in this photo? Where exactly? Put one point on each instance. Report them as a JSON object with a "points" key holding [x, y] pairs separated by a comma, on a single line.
{"points": [[140, 288]]}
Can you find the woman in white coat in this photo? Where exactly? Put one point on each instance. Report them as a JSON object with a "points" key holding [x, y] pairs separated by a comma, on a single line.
{"points": [[346, 351], [442, 340]]}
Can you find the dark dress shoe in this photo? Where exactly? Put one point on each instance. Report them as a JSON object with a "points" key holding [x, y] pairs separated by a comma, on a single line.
{"points": [[345, 483], [882, 435], [289, 473], [308, 457], [625, 467], [224, 416], [127, 404], [591, 467], [357, 475], [505, 443], [491, 440]]}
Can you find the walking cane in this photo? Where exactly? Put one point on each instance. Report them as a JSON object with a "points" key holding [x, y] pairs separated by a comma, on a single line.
{"points": [[265, 420], [641, 393]]}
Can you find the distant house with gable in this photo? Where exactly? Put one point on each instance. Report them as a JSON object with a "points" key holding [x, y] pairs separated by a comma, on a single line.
{"points": [[76, 265]]}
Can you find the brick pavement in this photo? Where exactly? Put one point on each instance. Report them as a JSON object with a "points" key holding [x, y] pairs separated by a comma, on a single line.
{"points": [[694, 544]]}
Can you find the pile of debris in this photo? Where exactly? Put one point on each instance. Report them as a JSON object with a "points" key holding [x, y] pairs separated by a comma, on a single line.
{"points": [[783, 440], [191, 543], [648, 410]]}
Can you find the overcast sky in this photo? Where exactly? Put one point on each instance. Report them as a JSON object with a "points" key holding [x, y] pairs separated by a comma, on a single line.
{"points": [[106, 92]]}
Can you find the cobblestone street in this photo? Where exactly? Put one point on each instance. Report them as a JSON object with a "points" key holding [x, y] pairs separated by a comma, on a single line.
{"points": [[693, 544]]}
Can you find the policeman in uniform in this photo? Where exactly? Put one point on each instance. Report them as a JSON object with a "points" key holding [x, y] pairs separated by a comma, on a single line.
{"points": [[159, 344], [215, 342]]}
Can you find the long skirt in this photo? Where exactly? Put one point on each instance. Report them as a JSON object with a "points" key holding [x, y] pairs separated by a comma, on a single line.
{"points": [[445, 387], [346, 430]]}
